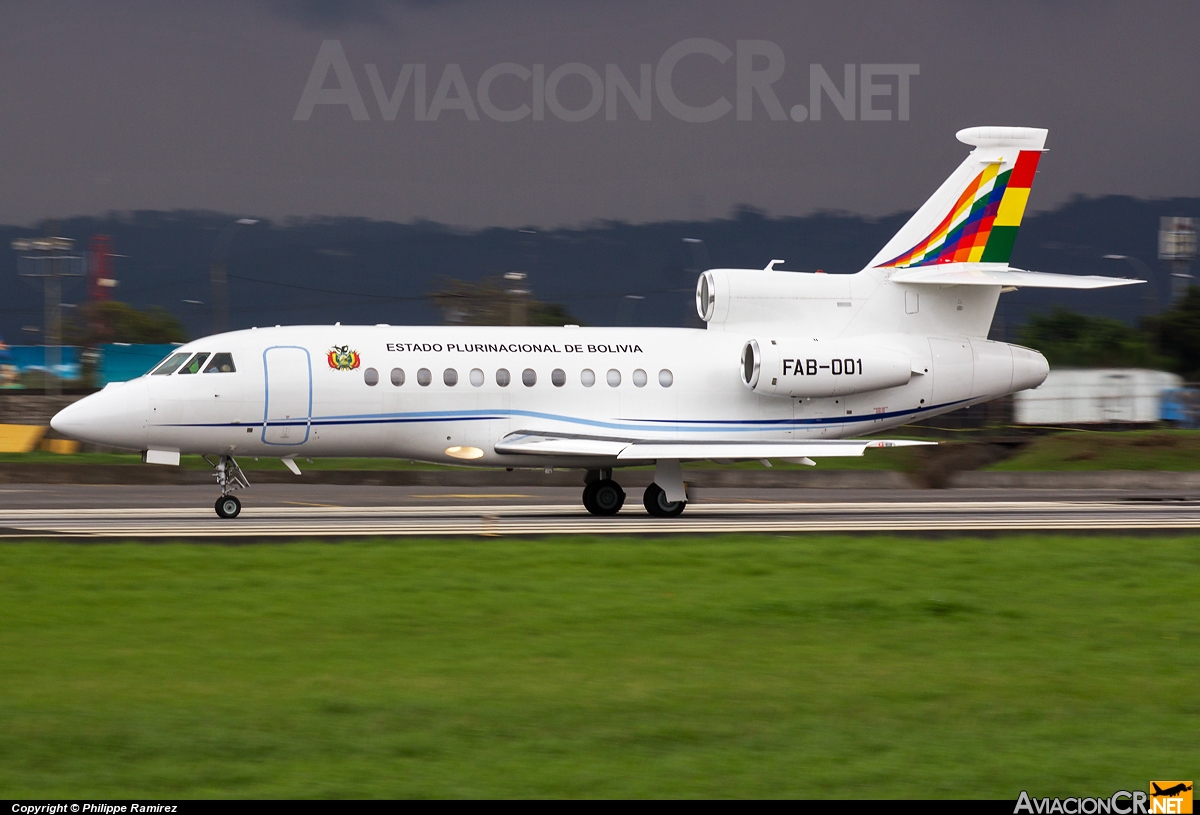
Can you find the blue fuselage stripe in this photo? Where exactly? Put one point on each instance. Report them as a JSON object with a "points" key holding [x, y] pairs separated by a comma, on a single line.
{"points": [[695, 425]]}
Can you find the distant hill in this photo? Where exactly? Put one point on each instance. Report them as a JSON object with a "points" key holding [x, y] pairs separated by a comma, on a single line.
{"points": [[359, 271]]}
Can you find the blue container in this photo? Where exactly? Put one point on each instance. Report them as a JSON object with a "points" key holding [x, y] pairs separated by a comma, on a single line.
{"points": [[120, 362]]}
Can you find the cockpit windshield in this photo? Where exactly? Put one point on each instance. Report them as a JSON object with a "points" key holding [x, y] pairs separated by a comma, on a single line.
{"points": [[169, 364], [194, 364], [220, 364]]}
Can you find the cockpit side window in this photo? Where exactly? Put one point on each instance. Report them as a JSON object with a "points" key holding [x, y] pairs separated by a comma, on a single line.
{"points": [[220, 364], [194, 364], [168, 365]]}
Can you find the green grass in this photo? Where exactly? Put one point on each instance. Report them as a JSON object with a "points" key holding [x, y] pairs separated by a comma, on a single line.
{"points": [[728, 666], [1127, 450]]}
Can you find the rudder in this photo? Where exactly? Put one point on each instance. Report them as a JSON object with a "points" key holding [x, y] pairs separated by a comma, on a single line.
{"points": [[974, 216]]}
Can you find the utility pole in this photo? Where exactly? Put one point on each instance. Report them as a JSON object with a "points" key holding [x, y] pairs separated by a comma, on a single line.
{"points": [[220, 278], [50, 260]]}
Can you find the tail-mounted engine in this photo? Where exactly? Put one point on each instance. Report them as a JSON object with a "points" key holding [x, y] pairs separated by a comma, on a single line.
{"points": [[812, 368]]}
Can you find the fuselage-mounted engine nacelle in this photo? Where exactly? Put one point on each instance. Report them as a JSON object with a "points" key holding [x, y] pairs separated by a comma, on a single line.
{"points": [[812, 368]]}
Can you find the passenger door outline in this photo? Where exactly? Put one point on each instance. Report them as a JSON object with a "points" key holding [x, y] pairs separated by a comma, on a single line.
{"points": [[277, 431]]}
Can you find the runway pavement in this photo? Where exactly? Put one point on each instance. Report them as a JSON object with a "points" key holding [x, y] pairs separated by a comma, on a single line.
{"points": [[300, 511]]}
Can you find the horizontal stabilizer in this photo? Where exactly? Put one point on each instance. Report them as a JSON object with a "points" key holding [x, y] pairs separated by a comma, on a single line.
{"points": [[647, 450], [983, 274]]}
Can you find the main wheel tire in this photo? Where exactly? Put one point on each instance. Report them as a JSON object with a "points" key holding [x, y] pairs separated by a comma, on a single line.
{"points": [[603, 497], [656, 503], [228, 506]]}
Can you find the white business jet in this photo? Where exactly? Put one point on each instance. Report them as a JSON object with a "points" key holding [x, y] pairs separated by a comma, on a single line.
{"points": [[792, 366]]}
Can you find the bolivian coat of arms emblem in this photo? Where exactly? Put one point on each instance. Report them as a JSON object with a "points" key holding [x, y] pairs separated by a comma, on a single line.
{"points": [[341, 358]]}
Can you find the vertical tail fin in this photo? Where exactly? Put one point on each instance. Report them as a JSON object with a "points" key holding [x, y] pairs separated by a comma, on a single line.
{"points": [[974, 216]]}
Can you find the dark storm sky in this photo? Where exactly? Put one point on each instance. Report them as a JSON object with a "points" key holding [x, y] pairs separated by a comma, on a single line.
{"points": [[162, 105]]}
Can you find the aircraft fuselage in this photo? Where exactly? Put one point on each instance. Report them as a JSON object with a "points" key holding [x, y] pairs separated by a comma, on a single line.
{"points": [[419, 392]]}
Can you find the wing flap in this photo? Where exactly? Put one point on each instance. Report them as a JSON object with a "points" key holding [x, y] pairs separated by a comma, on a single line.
{"points": [[547, 445], [527, 443], [745, 450]]}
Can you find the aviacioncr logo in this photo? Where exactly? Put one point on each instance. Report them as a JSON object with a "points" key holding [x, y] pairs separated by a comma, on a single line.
{"points": [[341, 358]]}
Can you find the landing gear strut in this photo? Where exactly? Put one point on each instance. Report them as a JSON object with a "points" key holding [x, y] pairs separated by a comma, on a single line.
{"points": [[230, 479], [602, 495]]}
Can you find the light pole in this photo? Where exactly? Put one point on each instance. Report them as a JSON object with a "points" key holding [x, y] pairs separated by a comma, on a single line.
{"points": [[220, 280], [625, 308], [1177, 246], [52, 262], [518, 302], [1143, 269], [698, 253]]}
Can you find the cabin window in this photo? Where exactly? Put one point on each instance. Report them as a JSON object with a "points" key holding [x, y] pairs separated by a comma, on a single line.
{"points": [[424, 377], [666, 378], [476, 377], [220, 364], [588, 377], [614, 377], [639, 378], [503, 377], [170, 364], [529, 377], [194, 364], [371, 377], [450, 377], [397, 376], [558, 377]]}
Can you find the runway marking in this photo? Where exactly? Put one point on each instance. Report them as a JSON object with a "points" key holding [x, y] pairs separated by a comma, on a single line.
{"points": [[525, 509], [475, 495], [315, 520]]}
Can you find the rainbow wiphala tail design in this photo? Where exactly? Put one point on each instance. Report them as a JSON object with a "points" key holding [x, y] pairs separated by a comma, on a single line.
{"points": [[982, 224]]}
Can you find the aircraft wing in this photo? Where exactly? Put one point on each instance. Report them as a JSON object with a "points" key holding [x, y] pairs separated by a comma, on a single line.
{"points": [[533, 443], [983, 274]]}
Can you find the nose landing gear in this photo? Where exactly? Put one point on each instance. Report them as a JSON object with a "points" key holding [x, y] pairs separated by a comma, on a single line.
{"points": [[228, 506], [230, 479]]}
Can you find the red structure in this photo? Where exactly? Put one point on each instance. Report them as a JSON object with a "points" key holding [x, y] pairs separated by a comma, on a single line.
{"points": [[101, 277]]}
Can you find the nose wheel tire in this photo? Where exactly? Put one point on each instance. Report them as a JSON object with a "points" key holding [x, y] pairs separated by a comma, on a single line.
{"points": [[656, 503], [228, 506], [603, 497]]}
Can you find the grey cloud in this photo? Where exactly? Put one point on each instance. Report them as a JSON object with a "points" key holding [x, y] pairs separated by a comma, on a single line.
{"points": [[334, 14]]}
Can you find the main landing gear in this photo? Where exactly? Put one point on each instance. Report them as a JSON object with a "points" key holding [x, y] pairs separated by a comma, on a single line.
{"points": [[656, 503], [230, 479], [604, 496]]}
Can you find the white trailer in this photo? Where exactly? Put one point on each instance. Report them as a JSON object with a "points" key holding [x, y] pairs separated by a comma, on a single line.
{"points": [[1095, 396]]}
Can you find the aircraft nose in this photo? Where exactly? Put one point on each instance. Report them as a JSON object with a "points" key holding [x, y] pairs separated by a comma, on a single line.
{"points": [[115, 416], [70, 419]]}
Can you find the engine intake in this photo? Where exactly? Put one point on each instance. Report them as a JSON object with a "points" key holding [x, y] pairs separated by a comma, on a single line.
{"points": [[815, 368]]}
